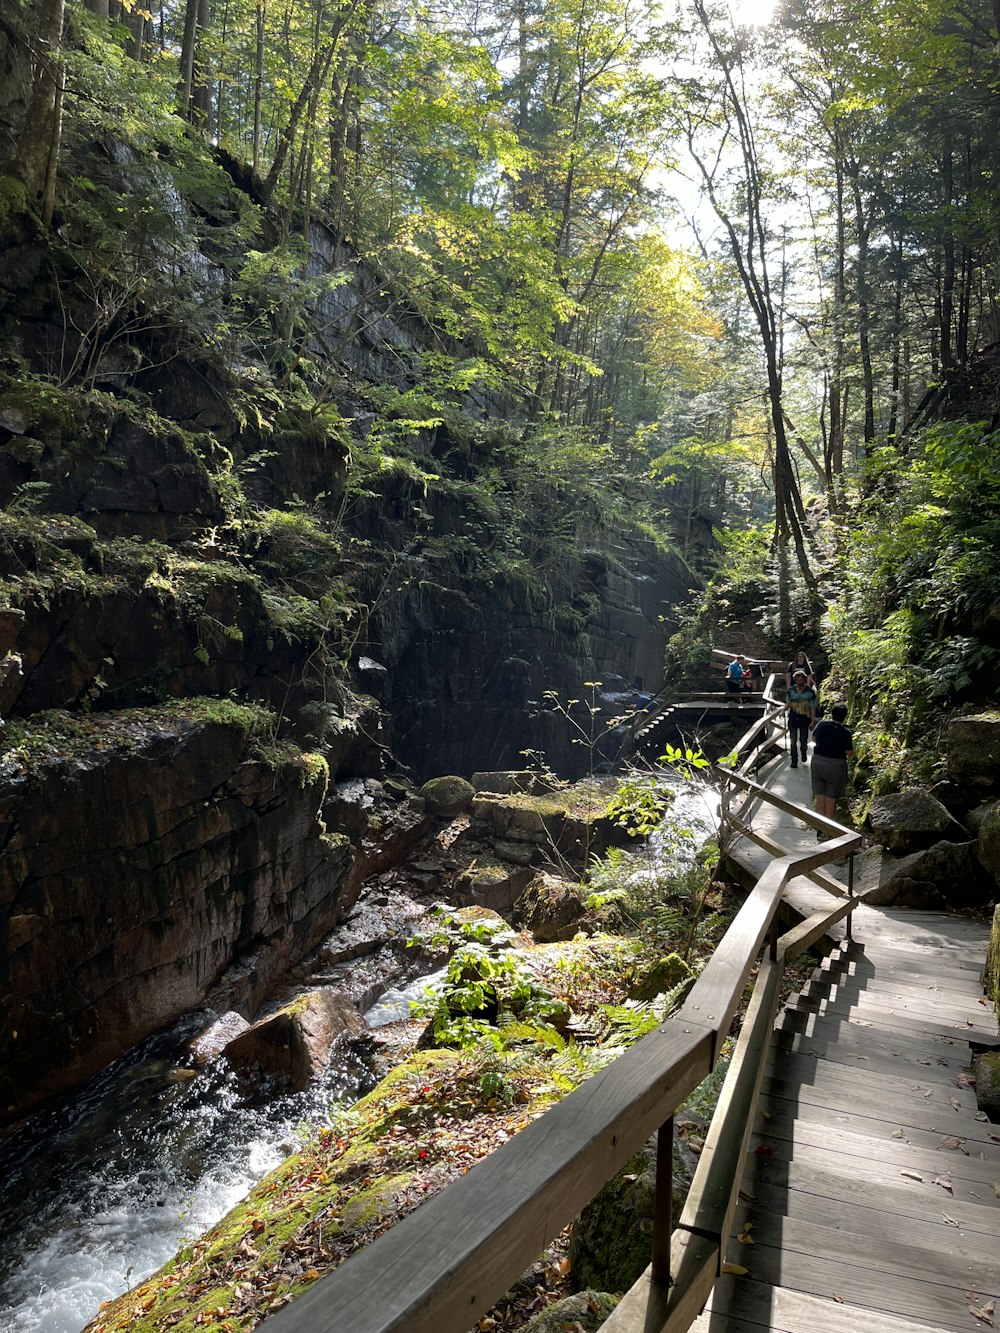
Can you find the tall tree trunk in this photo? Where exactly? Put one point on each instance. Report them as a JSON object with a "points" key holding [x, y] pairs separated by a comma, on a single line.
{"points": [[258, 80], [317, 72], [863, 232], [948, 274], [38, 150]]}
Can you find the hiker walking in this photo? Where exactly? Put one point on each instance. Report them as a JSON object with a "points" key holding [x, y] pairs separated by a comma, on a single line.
{"points": [[833, 743], [734, 675], [801, 700]]}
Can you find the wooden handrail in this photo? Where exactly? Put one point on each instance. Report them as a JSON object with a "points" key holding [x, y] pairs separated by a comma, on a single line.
{"points": [[444, 1264]]}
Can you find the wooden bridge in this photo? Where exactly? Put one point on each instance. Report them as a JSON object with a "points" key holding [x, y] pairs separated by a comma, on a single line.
{"points": [[847, 1182]]}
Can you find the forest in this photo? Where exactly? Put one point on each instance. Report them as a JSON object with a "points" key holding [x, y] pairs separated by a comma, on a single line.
{"points": [[378, 381], [743, 272]]}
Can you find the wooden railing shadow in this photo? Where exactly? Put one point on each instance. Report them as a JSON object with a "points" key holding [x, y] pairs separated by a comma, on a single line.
{"points": [[442, 1266]]}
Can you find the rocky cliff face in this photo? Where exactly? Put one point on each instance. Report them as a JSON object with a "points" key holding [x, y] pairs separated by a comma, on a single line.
{"points": [[182, 549]]}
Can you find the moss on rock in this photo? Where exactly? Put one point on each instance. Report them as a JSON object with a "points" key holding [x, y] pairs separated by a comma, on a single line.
{"points": [[662, 976], [583, 1312], [991, 972]]}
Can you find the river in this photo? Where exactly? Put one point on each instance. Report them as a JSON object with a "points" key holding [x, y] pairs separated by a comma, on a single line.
{"points": [[100, 1193]]}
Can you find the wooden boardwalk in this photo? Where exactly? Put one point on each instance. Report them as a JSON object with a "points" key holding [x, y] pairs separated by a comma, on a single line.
{"points": [[871, 1196]]}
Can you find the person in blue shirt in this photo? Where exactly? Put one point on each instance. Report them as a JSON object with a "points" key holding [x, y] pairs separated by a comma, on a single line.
{"points": [[734, 675], [801, 700]]}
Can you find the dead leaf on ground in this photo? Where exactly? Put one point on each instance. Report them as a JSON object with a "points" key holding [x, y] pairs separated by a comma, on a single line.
{"points": [[744, 1237], [956, 1103], [953, 1144], [984, 1313], [737, 1270], [949, 1220], [912, 1175], [944, 1182], [898, 1134], [996, 1188], [837, 1297]]}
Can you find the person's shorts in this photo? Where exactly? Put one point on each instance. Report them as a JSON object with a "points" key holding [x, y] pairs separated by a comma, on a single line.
{"points": [[829, 776]]}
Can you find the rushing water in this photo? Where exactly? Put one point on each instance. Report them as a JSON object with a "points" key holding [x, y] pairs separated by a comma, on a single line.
{"points": [[100, 1194], [96, 1196]]}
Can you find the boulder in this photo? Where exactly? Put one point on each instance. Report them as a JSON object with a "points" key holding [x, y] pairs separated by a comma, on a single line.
{"points": [[11, 621], [551, 908], [447, 796], [663, 976], [988, 841], [945, 875], [972, 750], [988, 1084], [569, 824], [991, 972], [583, 1312], [492, 884], [611, 1241], [910, 820], [293, 1045], [208, 1043]]}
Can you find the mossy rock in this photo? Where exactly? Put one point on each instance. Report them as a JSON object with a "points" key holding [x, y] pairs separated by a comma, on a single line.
{"points": [[447, 796], [991, 972], [612, 1238], [988, 1084], [663, 976], [584, 1312]]}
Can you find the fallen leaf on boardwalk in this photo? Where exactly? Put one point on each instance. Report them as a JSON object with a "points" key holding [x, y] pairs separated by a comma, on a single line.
{"points": [[956, 1145], [949, 1221], [762, 1150], [744, 1237], [995, 1137], [746, 1198], [942, 1061], [964, 1081], [737, 1270], [923, 1062], [928, 1092], [980, 1115], [984, 1312], [944, 1182], [838, 1298], [956, 1103], [912, 1175], [996, 1188], [898, 1134]]}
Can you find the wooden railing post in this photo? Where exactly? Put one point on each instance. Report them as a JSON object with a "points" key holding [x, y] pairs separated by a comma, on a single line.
{"points": [[850, 892], [663, 1204]]}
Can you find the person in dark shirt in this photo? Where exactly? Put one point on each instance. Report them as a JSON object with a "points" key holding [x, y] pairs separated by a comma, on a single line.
{"points": [[832, 746], [800, 662]]}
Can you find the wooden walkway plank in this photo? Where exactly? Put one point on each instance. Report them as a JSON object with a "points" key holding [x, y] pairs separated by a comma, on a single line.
{"points": [[871, 1187], [804, 1188], [757, 1307]]}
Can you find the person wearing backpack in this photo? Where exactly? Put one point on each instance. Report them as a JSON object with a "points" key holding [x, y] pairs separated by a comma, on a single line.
{"points": [[734, 675]]}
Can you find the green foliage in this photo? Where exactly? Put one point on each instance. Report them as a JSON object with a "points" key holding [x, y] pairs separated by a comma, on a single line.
{"points": [[909, 631]]}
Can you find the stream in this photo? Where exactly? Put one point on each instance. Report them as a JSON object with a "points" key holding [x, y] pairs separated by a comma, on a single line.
{"points": [[101, 1192]]}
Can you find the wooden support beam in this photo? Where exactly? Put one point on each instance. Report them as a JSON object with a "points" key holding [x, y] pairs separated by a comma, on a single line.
{"points": [[800, 937], [650, 1308]]}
